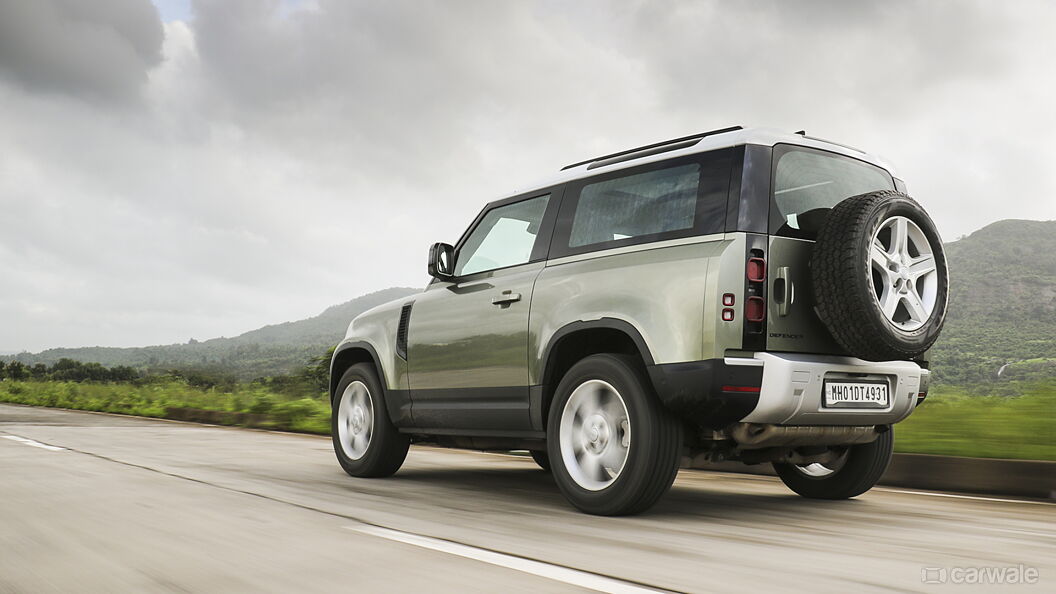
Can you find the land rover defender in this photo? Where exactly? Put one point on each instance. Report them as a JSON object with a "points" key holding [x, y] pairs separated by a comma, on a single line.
{"points": [[740, 294]]}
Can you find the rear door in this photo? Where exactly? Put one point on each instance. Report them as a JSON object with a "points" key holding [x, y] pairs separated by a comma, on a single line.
{"points": [[805, 184], [467, 341]]}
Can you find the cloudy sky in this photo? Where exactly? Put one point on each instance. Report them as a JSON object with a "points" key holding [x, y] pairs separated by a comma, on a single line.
{"points": [[196, 169]]}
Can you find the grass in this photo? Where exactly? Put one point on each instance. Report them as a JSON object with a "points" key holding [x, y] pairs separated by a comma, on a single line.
{"points": [[1019, 422], [244, 405]]}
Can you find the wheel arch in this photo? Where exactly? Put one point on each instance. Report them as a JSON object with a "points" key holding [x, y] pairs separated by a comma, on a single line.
{"points": [[348, 354], [580, 339]]}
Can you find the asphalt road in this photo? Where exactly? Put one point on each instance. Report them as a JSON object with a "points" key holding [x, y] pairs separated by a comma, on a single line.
{"points": [[94, 503]]}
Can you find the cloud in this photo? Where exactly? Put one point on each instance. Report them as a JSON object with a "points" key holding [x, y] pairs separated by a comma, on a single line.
{"points": [[259, 161], [99, 49]]}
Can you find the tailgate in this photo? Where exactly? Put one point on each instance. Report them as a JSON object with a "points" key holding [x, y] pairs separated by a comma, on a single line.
{"points": [[792, 325]]}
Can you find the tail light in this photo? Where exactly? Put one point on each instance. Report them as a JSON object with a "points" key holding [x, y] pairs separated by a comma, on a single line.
{"points": [[755, 309], [756, 269], [755, 301]]}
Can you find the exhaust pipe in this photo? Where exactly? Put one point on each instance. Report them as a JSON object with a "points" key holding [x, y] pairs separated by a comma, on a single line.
{"points": [[759, 435]]}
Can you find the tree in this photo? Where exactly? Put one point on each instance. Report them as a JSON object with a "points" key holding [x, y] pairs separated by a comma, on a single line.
{"points": [[17, 371], [317, 373]]}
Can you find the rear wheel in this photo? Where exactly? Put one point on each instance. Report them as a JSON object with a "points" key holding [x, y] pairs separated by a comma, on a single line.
{"points": [[854, 472], [365, 441], [613, 448]]}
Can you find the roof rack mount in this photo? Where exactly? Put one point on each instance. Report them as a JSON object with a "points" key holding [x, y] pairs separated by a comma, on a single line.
{"points": [[654, 146]]}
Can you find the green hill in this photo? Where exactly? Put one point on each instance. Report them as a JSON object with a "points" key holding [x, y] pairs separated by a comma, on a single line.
{"points": [[271, 350], [1002, 304]]}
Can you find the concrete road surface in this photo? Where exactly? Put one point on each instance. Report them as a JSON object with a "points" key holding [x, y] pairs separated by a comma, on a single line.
{"points": [[103, 503]]}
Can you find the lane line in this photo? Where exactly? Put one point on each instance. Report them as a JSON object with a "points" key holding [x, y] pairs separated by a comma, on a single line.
{"points": [[955, 496], [557, 573], [35, 444]]}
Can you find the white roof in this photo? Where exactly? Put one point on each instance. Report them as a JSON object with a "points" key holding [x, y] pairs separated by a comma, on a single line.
{"points": [[759, 136]]}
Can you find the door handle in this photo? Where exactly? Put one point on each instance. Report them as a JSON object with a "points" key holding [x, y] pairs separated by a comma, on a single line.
{"points": [[784, 291], [506, 298]]}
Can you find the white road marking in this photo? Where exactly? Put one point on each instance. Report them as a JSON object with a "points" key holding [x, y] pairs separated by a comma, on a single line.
{"points": [[955, 496], [35, 444], [565, 575]]}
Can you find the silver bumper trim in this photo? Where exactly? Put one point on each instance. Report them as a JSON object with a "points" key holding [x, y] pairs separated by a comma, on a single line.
{"points": [[791, 392]]}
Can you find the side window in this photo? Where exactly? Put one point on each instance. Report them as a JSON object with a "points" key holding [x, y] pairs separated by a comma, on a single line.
{"points": [[643, 204], [668, 200], [504, 237]]}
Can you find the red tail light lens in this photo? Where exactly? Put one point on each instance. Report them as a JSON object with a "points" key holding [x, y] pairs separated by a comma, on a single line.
{"points": [[755, 309], [756, 270], [755, 299]]}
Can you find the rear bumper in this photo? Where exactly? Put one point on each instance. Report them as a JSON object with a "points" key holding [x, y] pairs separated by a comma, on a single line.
{"points": [[790, 389]]}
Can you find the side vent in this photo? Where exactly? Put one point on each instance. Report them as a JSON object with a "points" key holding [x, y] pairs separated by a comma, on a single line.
{"points": [[401, 331]]}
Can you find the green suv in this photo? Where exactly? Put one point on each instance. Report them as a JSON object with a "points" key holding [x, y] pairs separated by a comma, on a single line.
{"points": [[734, 295]]}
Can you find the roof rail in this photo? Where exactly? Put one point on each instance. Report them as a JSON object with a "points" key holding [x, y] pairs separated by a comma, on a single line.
{"points": [[650, 147]]}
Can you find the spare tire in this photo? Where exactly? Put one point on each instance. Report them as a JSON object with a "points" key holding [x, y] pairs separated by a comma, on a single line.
{"points": [[879, 276]]}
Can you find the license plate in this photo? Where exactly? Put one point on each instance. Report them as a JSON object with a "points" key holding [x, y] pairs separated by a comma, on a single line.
{"points": [[861, 394]]}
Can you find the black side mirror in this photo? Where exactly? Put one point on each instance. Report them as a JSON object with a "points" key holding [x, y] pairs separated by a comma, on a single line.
{"points": [[441, 261]]}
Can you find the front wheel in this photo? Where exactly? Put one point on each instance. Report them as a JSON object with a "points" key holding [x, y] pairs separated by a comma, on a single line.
{"points": [[849, 475], [365, 441], [614, 450]]}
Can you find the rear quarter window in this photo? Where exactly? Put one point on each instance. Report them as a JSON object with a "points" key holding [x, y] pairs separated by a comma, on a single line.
{"points": [[807, 183], [667, 200]]}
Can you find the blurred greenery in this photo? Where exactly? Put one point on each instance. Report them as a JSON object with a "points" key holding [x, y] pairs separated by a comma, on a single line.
{"points": [[1013, 420], [245, 405], [295, 402]]}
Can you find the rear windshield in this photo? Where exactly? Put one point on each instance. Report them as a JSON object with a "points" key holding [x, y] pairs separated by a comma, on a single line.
{"points": [[808, 183]]}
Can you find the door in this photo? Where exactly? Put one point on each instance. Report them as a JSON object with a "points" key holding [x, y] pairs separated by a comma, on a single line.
{"points": [[467, 340]]}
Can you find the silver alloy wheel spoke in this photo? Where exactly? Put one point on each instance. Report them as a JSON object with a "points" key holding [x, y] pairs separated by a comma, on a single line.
{"points": [[594, 435], [922, 265], [899, 236], [905, 273], [915, 307], [816, 470], [879, 255], [822, 470], [355, 420], [889, 303]]}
